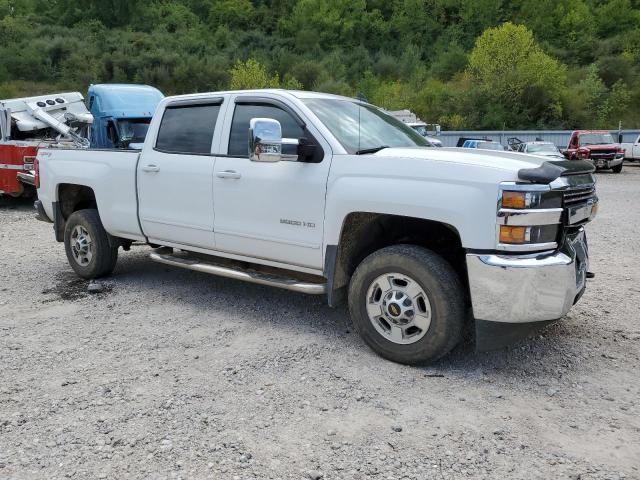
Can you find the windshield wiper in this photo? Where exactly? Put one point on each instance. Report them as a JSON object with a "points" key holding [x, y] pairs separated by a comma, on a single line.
{"points": [[364, 151]]}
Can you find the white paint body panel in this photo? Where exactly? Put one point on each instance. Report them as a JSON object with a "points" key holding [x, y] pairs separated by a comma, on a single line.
{"points": [[631, 150], [111, 175], [191, 207]]}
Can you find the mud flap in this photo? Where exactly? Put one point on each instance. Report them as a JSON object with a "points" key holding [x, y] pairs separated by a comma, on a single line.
{"points": [[496, 335], [58, 222]]}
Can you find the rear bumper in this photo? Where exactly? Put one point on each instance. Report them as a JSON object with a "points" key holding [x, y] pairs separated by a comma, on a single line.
{"points": [[28, 178], [528, 288]]}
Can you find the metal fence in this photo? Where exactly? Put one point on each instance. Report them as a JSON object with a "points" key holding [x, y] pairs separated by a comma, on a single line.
{"points": [[559, 137]]}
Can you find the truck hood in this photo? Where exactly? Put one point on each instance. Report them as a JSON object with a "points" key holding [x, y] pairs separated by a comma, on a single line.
{"points": [[508, 161]]}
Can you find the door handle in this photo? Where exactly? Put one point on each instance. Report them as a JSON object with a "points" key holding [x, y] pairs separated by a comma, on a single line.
{"points": [[150, 168], [228, 174]]}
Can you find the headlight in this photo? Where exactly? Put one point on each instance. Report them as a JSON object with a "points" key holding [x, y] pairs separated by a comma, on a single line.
{"points": [[528, 217], [522, 199]]}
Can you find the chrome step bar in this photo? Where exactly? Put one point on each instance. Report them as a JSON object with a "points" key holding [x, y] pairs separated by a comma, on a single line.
{"points": [[246, 275]]}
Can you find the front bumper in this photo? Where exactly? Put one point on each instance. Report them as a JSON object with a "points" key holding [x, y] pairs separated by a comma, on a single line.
{"points": [[610, 163], [528, 288]]}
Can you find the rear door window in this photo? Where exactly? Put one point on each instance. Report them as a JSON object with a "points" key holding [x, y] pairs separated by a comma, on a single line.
{"points": [[188, 129]]}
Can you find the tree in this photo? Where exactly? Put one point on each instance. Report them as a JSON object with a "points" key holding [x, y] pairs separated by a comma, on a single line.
{"points": [[233, 13], [510, 68], [252, 74]]}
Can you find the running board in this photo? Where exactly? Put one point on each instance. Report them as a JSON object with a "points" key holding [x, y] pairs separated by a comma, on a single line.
{"points": [[239, 274]]}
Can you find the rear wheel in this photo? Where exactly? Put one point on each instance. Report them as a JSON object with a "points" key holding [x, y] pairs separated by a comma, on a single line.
{"points": [[617, 168], [407, 304], [87, 245]]}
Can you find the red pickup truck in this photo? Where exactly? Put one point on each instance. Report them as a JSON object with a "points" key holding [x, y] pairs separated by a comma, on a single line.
{"points": [[597, 146]]}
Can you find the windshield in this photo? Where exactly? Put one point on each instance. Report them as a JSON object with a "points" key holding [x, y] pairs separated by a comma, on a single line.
{"points": [[361, 127], [133, 130], [421, 129], [490, 146], [596, 139], [542, 147]]}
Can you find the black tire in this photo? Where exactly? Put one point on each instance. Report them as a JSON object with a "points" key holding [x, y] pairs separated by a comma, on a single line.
{"points": [[617, 168], [103, 256], [439, 282]]}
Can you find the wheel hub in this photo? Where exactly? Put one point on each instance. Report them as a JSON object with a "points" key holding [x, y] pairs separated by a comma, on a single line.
{"points": [[399, 308], [81, 245]]}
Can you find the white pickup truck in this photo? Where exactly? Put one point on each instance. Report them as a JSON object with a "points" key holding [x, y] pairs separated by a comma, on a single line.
{"points": [[328, 195], [631, 149]]}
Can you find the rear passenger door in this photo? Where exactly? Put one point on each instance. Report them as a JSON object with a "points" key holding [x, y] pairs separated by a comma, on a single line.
{"points": [[175, 175]]}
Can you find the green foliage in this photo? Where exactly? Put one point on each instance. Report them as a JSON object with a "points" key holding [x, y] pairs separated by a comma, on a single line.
{"points": [[509, 68], [462, 63], [251, 74]]}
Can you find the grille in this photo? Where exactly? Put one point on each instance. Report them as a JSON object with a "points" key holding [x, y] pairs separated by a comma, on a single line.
{"points": [[603, 154], [575, 197]]}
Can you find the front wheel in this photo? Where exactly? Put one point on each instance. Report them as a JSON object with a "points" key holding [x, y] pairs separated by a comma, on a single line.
{"points": [[407, 304], [87, 245], [617, 168]]}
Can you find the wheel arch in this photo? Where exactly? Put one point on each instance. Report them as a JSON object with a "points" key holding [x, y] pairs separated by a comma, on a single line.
{"points": [[70, 198], [363, 233]]}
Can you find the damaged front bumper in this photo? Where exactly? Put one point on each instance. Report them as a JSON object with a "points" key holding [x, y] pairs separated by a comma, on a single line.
{"points": [[511, 294], [607, 163]]}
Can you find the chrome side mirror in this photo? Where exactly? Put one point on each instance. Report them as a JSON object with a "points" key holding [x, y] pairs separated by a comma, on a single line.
{"points": [[265, 140]]}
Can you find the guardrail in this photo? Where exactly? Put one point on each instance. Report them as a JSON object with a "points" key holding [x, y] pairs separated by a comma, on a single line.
{"points": [[559, 137]]}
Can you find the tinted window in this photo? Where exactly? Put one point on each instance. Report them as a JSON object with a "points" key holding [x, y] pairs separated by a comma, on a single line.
{"points": [[187, 129], [239, 137]]}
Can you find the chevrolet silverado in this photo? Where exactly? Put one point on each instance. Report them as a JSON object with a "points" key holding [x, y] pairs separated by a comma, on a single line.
{"points": [[330, 195]]}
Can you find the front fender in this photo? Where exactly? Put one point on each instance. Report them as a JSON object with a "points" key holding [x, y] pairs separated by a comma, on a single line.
{"points": [[468, 207]]}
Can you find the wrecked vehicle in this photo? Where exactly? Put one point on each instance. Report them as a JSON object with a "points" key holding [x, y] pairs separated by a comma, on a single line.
{"points": [[26, 124], [597, 147]]}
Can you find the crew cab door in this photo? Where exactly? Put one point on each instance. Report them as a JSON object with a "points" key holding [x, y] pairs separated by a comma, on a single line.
{"points": [[273, 211], [175, 173]]}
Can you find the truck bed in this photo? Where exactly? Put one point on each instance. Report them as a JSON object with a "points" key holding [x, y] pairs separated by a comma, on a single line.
{"points": [[111, 174]]}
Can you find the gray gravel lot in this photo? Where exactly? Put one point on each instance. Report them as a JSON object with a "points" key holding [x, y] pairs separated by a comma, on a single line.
{"points": [[175, 374]]}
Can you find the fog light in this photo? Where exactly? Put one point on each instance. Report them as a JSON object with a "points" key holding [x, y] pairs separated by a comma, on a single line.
{"points": [[509, 234]]}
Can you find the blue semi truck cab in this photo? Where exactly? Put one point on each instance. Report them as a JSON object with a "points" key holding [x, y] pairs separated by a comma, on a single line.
{"points": [[121, 114]]}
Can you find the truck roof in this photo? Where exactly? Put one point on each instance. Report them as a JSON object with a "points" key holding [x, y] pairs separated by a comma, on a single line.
{"points": [[121, 100], [295, 93], [580, 132]]}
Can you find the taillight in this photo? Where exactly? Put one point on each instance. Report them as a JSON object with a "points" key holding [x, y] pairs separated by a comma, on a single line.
{"points": [[27, 162], [36, 167]]}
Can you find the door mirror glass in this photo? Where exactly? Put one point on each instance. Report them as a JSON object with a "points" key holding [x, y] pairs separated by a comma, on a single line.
{"points": [[265, 140]]}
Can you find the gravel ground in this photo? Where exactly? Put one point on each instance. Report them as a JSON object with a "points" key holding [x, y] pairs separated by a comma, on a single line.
{"points": [[175, 374]]}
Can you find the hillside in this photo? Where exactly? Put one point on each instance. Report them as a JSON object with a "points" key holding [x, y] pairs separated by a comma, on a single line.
{"points": [[462, 63]]}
